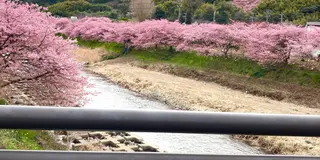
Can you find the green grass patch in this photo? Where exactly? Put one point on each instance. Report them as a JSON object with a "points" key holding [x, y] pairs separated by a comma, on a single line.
{"points": [[286, 73], [27, 139], [19, 139], [289, 73], [194, 61], [112, 47], [61, 35]]}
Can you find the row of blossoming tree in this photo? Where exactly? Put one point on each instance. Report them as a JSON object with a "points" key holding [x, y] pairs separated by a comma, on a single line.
{"points": [[31, 53], [262, 42]]}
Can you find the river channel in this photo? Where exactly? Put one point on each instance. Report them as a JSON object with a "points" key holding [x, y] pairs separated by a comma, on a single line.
{"points": [[109, 95]]}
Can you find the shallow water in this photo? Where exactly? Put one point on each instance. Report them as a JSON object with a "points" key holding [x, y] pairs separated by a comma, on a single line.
{"points": [[112, 96]]}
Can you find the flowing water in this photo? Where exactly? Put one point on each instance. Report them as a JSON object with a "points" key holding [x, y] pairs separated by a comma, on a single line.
{"points": [[112, 96]]}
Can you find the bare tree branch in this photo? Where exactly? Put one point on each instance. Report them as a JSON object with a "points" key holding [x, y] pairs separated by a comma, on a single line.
{"points": [[24, 79]]}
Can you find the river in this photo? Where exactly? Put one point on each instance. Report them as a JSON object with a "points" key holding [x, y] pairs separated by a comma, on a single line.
{"points": [[109, 95]]}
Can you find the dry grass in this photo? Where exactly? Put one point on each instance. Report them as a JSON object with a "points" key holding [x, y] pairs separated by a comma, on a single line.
{"points": [[309, 64], [89, 55], [191, 94], [283, 145], [260, 87]]}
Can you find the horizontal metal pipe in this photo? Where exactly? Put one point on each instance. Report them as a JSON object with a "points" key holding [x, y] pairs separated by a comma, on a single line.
{"points": [[54, 155], [52, 118]]}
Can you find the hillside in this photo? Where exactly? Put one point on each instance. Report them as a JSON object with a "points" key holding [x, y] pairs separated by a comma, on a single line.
{"points": [[297, 11], [113, 9], [221, 11], [42, 2], [50, 2]]}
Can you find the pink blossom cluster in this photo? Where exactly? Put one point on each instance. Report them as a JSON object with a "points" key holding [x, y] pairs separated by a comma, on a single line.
{"points": [[246, 5], [31, 53], [272, 43], [262, 42]]}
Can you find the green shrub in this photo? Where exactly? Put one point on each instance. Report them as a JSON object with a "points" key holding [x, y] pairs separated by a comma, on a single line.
{"points": [[3, 101], [124, 19], [78, 7]]}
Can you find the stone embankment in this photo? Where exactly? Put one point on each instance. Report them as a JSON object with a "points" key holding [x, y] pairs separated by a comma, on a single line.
{"points": [[104, 141], [16, 96]]}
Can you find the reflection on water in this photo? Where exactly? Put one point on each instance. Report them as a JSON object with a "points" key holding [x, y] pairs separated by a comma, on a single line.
{"points": [[112, 96]]}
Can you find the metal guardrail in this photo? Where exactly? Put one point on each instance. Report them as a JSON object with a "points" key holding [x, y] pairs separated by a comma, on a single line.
{"points": [[53, 118], [46, 155]]}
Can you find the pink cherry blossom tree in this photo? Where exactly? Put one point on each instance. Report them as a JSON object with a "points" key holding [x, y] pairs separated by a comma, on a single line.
{"points": [[261, 42], [161, 33], [208, 38], [91, 28], [246, 5], [271, 43], [31, 53]]}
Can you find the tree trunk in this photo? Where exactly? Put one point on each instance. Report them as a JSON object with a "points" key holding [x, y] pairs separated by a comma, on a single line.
{"points": [[189, 18]]}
